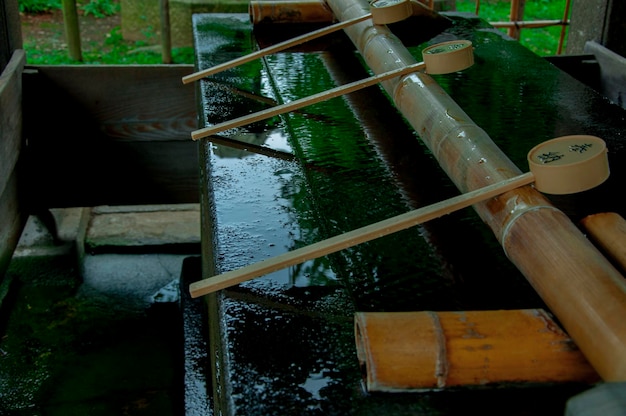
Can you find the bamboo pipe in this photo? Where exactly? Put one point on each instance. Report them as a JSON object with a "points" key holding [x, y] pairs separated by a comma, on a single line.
{"points": [[352, 238], [412, 351], [530, 24], [580, 286], [608, 231]]}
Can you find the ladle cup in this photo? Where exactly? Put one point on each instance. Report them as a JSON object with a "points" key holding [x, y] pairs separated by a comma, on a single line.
{"points": [[579, 162]]}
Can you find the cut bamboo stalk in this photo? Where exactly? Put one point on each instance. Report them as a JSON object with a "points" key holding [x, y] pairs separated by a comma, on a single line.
{"points": [[412, 351], [579, 285], [529, 24], [358, 236], [608, 231], [303, 102], [274, 48]]}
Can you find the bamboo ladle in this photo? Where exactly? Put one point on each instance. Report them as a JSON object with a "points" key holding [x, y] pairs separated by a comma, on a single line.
{"points": [[382, 12], [441, 58], [563, 165]]}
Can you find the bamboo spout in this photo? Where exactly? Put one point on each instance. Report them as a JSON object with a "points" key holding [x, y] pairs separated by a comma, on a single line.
{"points": [[412, 351], [580, 286]]}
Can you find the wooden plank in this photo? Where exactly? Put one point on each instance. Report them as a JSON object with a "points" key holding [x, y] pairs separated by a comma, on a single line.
{"points": [[12, 221], [120, 135], [129, 101], [10, 31], [10, 115]]}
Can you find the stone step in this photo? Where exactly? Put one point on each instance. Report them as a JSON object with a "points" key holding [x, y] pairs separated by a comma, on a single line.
{"points": [[113, 229], [144, 228]]}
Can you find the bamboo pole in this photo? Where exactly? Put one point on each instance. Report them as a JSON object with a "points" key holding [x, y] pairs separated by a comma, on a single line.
{"points": [[580, 286], [297, 104], [275, 48], [529, 24], [358, 236], [413, 351], [608, 231]]}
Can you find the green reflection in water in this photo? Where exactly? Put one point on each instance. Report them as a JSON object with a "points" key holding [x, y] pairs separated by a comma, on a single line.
{"points": [[350, 187]]}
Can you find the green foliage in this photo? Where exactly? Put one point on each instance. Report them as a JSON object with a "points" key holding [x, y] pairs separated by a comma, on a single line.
{"points": [[97, 8], [542, 41], [101, 8], [39, 6], [114, 51]]}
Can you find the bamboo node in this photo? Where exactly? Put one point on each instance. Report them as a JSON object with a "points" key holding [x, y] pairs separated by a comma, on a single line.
{"points": [[441, 365]]}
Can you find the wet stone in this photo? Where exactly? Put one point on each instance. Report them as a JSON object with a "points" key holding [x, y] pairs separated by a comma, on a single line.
{"points": [[66, 352]]}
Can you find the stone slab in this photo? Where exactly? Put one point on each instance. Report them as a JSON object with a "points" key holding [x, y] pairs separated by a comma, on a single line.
{"points": [[145, 225]]}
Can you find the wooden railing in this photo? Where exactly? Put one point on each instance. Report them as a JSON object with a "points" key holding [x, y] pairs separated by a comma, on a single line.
{"points": [[516, 21]]}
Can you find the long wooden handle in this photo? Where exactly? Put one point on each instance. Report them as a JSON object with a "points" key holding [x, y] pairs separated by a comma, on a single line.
{"points": [[274, 48], [303, 102], [360, 235]]}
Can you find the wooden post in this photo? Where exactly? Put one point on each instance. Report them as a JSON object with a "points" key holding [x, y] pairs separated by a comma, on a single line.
{"points": [[517, 15], [72, 29], [563, 27], [166, 38]]}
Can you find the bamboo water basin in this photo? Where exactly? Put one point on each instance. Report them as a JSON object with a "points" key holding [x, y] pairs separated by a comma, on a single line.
{"points": [[284, 343]]}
